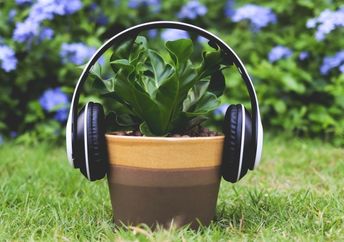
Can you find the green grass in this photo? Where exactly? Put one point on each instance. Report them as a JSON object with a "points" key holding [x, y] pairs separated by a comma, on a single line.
{"points": [[296, 194]]}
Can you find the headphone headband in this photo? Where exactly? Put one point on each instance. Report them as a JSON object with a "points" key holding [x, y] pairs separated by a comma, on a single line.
{"points": [[257, 129]]}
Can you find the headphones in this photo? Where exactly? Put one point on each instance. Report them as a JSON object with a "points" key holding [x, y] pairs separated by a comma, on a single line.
{"points": [[85, 131]]}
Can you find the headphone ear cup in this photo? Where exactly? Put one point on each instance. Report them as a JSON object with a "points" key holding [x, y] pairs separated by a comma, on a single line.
{"points": [[97, 152], [91, 155], [232, 160]]}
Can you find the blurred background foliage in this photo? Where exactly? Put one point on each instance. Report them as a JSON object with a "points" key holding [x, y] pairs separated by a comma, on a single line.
{"points": [[293, 50]]}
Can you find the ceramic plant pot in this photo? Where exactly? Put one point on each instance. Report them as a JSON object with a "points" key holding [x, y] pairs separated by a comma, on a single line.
{"points": [[156, 180]]}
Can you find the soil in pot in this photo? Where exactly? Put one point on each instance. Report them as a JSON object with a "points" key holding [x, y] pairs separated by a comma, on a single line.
{"points": [[197, 131]]}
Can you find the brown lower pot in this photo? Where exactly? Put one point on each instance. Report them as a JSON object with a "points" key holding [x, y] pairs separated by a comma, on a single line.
{"points": [[164, 180]]}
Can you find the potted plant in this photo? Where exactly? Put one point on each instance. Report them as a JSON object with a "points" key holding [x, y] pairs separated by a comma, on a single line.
{"points": [[163, 165]]}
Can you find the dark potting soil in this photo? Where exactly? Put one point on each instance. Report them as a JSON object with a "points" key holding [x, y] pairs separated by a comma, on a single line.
{"points": [[197, 131]]}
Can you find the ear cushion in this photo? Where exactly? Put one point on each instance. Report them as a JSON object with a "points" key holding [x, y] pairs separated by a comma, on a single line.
{"points": [[231, 165], [91, 153], [79, 159], [248, 155], [238, 154], [97, 153]]}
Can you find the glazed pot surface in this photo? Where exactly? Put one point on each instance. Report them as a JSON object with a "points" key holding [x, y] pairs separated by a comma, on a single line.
{"points": [[162, 180]]}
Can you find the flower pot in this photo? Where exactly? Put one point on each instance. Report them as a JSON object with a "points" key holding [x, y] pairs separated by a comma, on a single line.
{"points": [[156, 180]]}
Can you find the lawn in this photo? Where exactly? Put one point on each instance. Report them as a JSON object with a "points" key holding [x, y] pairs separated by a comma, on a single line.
{"points": [[296, 194]]}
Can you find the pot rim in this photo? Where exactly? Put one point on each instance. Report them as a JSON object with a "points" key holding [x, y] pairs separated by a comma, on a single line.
{"points": [[162, 139]]}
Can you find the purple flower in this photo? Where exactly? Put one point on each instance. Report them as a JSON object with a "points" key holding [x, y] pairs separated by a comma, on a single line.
{"points": [[13, 134], [229, 8], [77, 53], [25, 31], [54, 100], [71, 6], [21, 2], [330, 62], [278, 53], [61, 115], [341, 68], [8, 60], [11, 14], [101, 19], [46, 33], [174, 34], [258, 16], [303, 55], [43, 10], [201, 39], [46, 9], [326, 22], [221, 110], [153, 33], [192, 10], [93, 7], [97, 14], [153, 4], [28, 30]]}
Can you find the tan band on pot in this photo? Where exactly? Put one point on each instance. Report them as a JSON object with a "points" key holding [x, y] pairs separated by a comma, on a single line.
{"points": [[130, 176], [165, 153]]}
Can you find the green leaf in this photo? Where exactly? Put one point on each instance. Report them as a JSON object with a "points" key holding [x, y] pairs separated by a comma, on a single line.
{"points": [[139, 50], [279, 106], [180, 51], [167, 96], [207, 103], [103, 85], [292, 84], [172, 92], [99, 83], [161, 70], [142, 105], [211, 63], [122, 63], [126, 120], [132, 51], [122, 52], [117, 98], [195, 94], [217, 83], [115, 123], [145, 130]]}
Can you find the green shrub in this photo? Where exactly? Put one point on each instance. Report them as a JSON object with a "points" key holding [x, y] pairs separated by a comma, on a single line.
{"points": [[161, 95]]}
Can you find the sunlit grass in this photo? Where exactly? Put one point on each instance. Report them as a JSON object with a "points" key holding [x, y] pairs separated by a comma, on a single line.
{"points": [[296, 194]]}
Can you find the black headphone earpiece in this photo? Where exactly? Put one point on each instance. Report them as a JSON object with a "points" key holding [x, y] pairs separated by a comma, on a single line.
{"points": [[237, 151], [91, 157]]}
